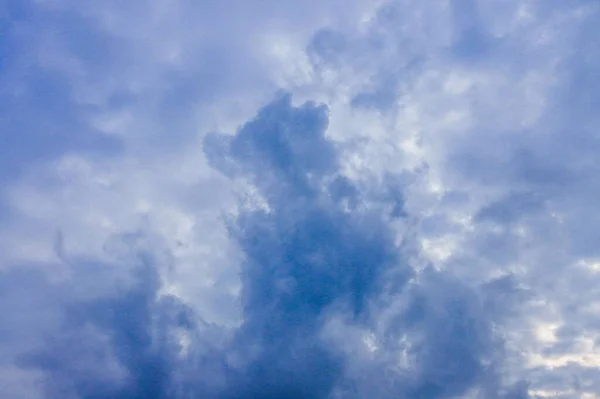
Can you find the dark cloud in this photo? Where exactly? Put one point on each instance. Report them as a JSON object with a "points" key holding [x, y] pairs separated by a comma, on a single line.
{"points": [[318, 250], [304, 254], [112, 344], [307, 255]]}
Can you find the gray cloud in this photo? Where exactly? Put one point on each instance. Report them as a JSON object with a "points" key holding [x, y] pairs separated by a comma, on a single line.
{"points": [[497, 223]]}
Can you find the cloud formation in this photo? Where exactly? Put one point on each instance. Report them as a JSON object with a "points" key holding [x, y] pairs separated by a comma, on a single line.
{"points": [[412, 215], [316, 250]]}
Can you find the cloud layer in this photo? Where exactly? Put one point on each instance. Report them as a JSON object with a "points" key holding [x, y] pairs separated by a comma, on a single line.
{"points": [[339, 200]]}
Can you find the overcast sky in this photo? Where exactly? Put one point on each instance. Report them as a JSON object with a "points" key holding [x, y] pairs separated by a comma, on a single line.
{"points": [[285, 199]]}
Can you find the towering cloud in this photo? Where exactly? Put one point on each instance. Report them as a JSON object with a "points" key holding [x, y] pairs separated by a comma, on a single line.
{"points": [[332, 306]]}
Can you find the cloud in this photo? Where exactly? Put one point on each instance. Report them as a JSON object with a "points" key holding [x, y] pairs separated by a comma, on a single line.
{"points": [[304, 254], [101, 341], [310, 251], [317, 250], [507, 186], [432, 169]]}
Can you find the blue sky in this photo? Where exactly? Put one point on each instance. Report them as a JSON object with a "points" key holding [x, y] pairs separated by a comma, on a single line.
{"points": [[283, 199]]}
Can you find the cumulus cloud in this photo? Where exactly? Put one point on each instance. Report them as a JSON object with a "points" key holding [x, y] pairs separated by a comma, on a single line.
{"points": [[412, 216], [315, 250]]}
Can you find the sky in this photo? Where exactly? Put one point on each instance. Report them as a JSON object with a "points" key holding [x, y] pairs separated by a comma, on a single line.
{"points": [[278, 199]]}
